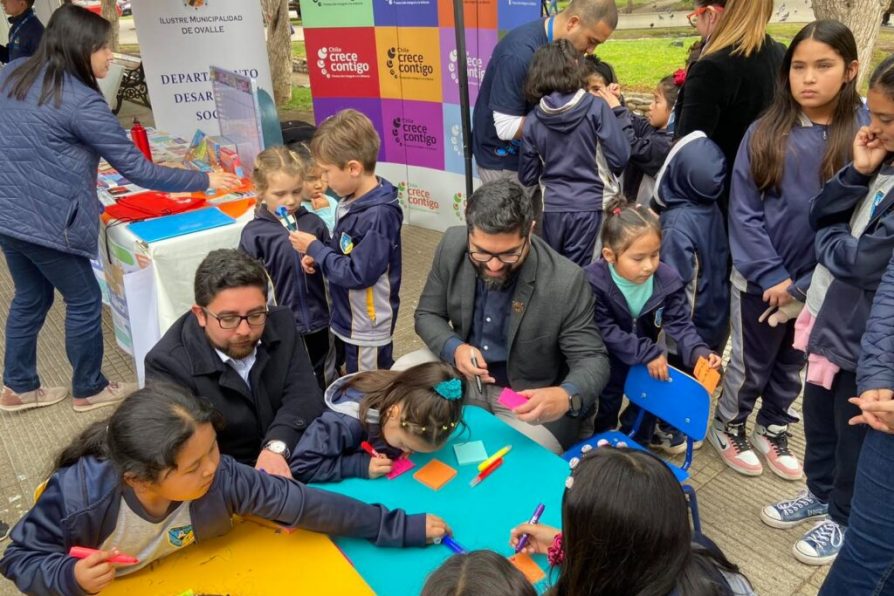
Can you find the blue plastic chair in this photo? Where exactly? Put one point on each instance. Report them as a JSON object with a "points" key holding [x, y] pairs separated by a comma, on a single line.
{"points": [[682, 402]]}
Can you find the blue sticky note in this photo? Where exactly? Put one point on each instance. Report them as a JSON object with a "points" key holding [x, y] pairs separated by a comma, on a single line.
{"points": [[470, 453]]}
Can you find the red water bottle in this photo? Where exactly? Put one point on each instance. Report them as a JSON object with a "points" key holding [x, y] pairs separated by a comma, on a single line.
{"points": [[140, 138]]}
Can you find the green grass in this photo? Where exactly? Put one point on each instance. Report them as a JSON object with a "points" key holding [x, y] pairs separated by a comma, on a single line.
{"points": [[298, 50], [641, 63], [301, 100], [641, 57]]}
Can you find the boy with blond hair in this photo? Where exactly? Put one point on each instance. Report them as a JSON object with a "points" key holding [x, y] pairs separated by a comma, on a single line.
{"points": [[362, 261]]}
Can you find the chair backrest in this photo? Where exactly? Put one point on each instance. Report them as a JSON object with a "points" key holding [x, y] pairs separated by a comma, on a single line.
{"points": [[682, 401]]}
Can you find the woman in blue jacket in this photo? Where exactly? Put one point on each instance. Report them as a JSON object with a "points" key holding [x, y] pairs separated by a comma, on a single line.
{"points": [[54, 127], [150, 481]]}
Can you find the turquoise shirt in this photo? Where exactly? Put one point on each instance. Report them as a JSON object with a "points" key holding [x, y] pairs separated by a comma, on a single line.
{"points": [[327, 214], [636, 294]]}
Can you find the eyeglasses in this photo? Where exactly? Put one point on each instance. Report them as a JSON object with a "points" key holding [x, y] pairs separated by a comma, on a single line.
{"points": [[508, 258], [254, 319], [694, 16]]}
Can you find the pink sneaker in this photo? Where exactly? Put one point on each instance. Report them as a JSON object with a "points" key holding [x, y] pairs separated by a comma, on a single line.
{"points": [[112, 395], [10, 401], [772, 443], [731, 443]]}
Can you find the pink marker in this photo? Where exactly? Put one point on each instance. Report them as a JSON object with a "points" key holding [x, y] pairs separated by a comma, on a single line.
{"points": [[82, 552], [366, 446]]}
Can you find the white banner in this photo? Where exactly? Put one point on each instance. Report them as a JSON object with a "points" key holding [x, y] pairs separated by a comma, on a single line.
{"points": [[180, 40]]}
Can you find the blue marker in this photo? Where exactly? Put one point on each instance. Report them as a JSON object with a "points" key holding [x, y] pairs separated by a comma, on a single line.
{"points": [[283, 214], [452, 545]]}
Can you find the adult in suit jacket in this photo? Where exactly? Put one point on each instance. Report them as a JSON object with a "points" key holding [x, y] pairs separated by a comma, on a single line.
{"points": [[499, 296], [246, 358]]}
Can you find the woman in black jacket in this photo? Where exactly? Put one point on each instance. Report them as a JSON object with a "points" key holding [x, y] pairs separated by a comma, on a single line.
{"points": [[733, 80]]}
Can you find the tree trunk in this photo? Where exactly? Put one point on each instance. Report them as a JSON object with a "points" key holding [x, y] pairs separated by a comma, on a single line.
{"points": [[279, 47], [629, 6], [864, 17], [110, 13]]}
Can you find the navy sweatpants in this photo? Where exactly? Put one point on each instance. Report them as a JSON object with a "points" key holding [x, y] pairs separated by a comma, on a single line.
{"points": [[572, 235], [763, 364]]}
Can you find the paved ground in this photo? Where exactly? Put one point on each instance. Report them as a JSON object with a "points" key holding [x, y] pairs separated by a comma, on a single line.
{"points": [[729, 503]]}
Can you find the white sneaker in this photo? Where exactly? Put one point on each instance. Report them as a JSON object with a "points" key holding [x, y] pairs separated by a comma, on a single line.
{"points": [[772, 443]]}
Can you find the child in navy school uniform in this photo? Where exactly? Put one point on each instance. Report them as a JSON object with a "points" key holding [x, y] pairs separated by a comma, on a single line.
{"points": [[573, 148], [362, 261], [150, 481], [800, 141], [316, 196], [396, 412], [853, 217], [278, 178], [693, 237], [638, 301], [649, 137]]}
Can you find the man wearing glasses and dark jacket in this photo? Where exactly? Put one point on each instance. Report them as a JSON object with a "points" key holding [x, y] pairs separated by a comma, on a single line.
{"points": [[244, 356], [508, 311]]}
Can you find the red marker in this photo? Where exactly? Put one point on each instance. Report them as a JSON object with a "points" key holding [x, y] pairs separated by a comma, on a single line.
{"points": [[82, 552], [486, 472], [369, 449]]}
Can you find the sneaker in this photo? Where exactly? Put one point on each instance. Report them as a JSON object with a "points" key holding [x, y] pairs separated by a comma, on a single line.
{"points": [[788, 514], [112, 395], [772, 443], [10, 401], [731, 443], [668, 439], [821, 544], [4, 530]]}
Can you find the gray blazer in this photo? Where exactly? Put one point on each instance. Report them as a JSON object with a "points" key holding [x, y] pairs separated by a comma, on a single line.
{"points": [[552, 337]]}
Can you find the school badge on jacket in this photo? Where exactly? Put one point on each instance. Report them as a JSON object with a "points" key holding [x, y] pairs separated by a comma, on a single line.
{"points": [[181, 536], [345, 243]]}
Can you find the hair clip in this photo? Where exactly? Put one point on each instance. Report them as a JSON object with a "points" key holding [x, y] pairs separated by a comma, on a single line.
{"points": [[446, 426], [616, 211], [679, 77], [586, 448], [450, 389], [572, 463], [569, 482]]}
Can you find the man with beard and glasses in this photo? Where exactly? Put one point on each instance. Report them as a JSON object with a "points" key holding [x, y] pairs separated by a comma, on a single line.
{"points": [[507, 310], [244, 356]]}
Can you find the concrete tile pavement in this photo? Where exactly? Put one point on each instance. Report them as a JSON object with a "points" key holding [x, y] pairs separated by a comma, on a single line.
{"points": [[729, 503]]}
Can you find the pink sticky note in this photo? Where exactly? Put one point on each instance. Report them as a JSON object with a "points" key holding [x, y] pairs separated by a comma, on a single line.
{"points": [[400, 465], [511, 399]]}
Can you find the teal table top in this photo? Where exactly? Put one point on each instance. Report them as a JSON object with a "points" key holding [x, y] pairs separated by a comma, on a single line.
{"points": [[480, 517]]}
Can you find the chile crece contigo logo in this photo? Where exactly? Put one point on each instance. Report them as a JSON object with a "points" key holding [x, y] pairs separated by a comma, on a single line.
{"points": [[335, 63], [408, 133], [475, 67], [416, 197], [459, 206], [402, 63], [195, 3]]}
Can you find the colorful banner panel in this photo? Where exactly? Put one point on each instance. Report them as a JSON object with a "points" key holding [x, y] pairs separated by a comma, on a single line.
{"points": [[396, 61]]}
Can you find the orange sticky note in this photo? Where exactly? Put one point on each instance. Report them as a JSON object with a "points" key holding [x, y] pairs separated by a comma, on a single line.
{"points": [[435, 474], [524, 563], [707, 376]]}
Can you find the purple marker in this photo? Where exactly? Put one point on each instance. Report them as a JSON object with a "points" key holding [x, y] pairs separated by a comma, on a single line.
{"points": [[535, 519]]}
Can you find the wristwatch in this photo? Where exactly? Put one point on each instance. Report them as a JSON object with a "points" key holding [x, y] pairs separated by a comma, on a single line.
{"points": [[277, 447], [574, 405]]}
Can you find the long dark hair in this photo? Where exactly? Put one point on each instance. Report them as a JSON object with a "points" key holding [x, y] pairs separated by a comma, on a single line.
{"points": [[555, 68], [145, 433], [626, 531], [768, 144], [71, 36], [476, 573], [424, 412]]}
